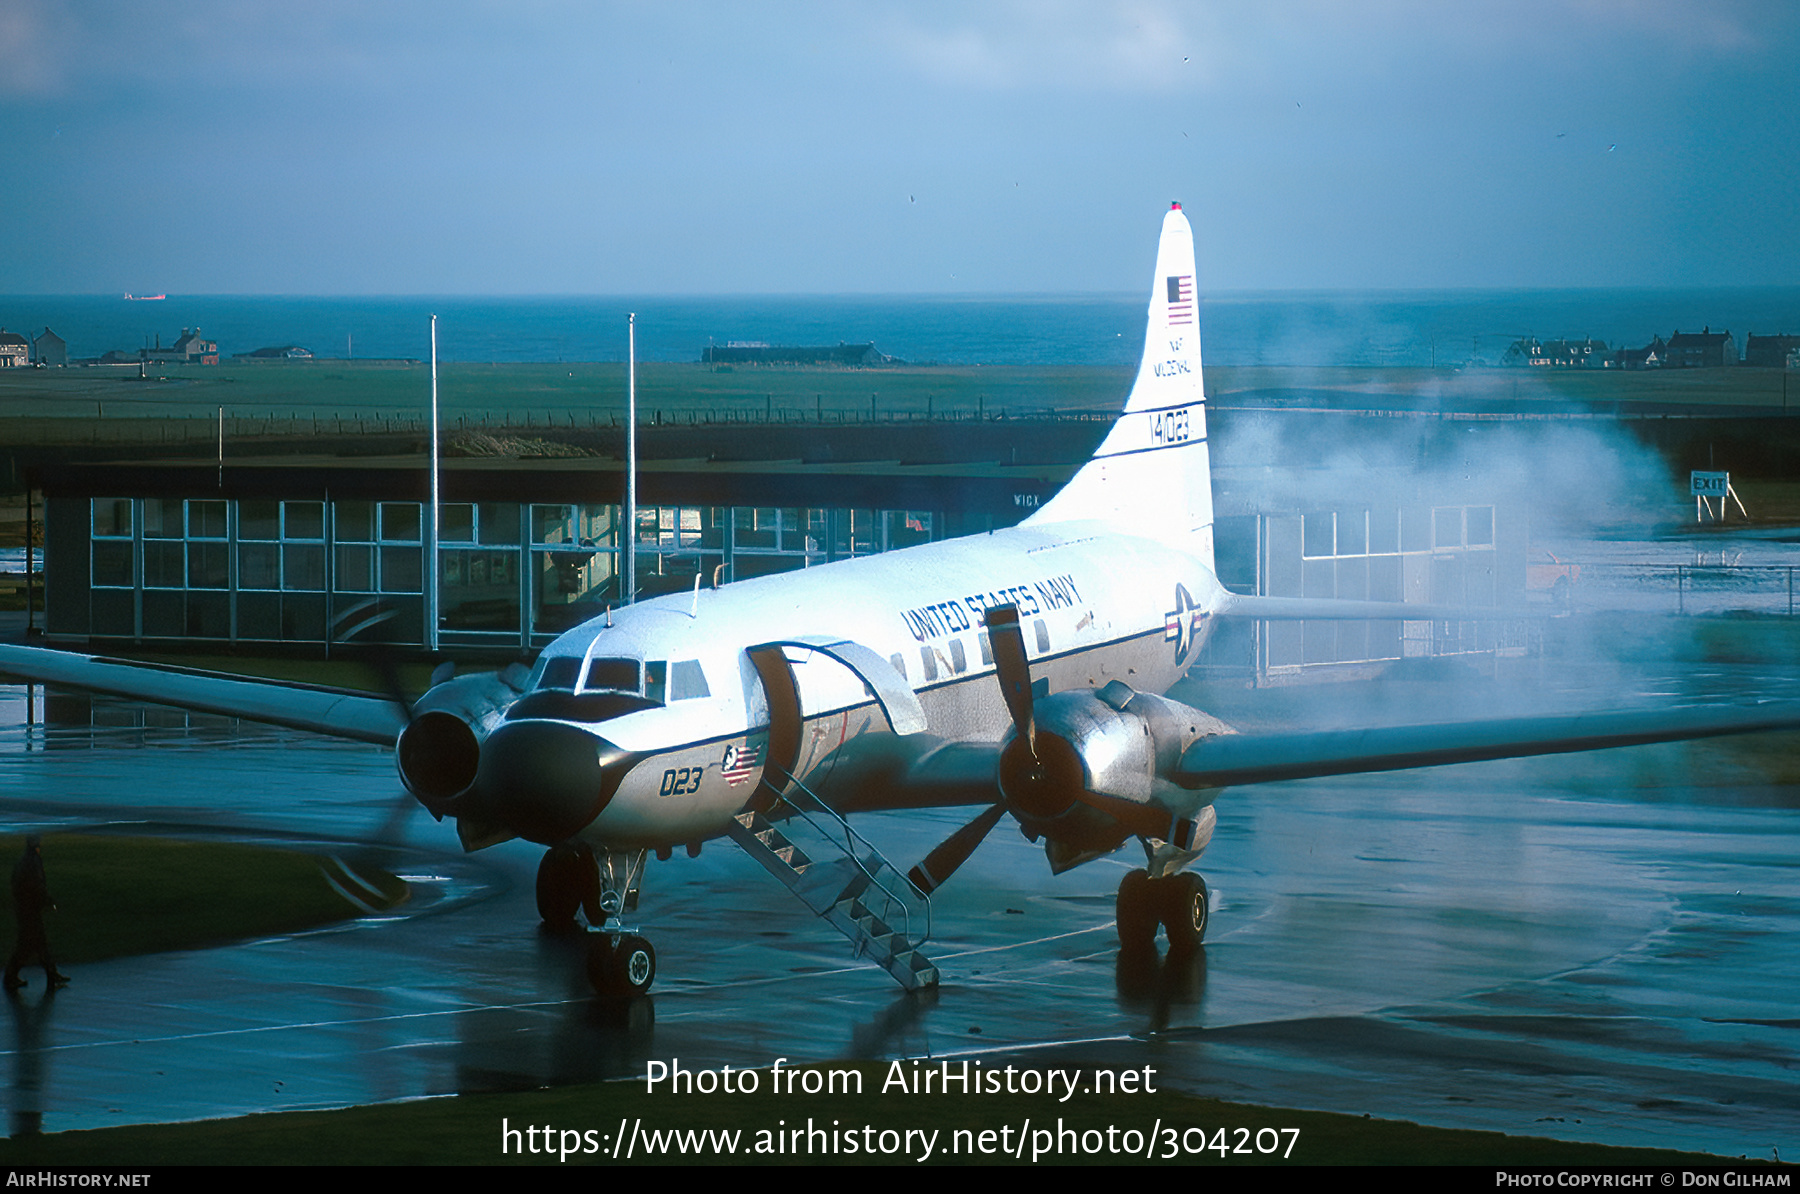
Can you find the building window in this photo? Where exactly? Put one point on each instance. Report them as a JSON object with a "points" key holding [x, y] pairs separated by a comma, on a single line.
{"points": [[400, 552], [478, 566], [112, 552], [303, 547], [574, 564], [208, 548]]}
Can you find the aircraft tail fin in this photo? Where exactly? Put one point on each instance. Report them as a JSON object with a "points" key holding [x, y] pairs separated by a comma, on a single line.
{"points": [[1151, 475]]}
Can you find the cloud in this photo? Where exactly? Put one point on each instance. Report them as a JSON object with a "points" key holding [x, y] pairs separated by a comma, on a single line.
{"points": [[1159, 46], [34, 33], [1116, 46]]}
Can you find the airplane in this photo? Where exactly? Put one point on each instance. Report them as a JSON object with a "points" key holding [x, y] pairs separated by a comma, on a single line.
{"points": [[1017, 671]]}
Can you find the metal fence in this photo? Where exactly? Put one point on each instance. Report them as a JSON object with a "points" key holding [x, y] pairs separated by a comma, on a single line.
{"points": [[139, 428], [1681, 588]]}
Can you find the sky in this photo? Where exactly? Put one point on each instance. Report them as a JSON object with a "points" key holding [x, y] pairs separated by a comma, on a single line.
{"points": [[343, 147]]}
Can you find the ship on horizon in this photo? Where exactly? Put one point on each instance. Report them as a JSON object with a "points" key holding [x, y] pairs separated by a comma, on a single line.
{"points": [[145, 298]]}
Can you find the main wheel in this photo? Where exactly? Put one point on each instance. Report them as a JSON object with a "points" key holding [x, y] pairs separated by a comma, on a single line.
{"points": [[1136, 913], [623, 969], [1184, 910], [560, 883]]}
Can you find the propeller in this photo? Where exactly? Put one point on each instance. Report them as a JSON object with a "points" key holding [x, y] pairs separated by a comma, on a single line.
{"points": [[1042, 777], [954, 850], [1013, 671]]}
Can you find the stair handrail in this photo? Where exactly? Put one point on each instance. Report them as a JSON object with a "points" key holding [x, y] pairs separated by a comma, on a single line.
{"points": [[851, 840]]}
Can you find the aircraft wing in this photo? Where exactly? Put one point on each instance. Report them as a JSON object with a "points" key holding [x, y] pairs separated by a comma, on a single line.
{"points": [[1231, 759], [320, 710]]}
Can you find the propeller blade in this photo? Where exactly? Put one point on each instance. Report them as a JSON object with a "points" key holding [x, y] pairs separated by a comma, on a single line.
{"points": [[1013, 670], [953, 851], [387, 666]]}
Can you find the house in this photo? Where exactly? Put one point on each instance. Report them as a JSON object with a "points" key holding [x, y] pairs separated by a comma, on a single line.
{"points": [[1705, 349], [190, 349], [759, 353], [284, 352], [1558, 354], [50, 349], [1651, 356], [1770, 352], [15, 351]]}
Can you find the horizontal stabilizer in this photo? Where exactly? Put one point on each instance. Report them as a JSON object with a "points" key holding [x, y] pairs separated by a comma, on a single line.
{"points": [[319, 710], [1293, 609], [1230, 759]]}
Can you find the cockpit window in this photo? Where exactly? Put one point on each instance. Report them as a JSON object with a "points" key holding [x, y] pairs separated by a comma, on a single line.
{"points": [[656, 675], [618, 675], [558, 672], [686, 680]]}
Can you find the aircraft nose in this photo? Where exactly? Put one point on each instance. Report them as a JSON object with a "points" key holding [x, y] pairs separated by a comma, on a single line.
{"points": [[545, 780]]}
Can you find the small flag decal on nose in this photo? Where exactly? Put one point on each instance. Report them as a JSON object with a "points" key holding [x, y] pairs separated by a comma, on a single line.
{"points": [[738, 763]]}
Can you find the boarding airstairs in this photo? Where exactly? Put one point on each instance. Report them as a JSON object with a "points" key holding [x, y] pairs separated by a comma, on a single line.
{"points": [[844, 880]]}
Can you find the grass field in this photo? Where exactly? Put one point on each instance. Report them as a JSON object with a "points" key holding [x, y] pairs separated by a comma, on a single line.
{"points": [[106, 405], [118, 896]]}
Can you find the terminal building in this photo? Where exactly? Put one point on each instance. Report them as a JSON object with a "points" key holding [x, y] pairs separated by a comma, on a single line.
{"points": [[329, 554]]}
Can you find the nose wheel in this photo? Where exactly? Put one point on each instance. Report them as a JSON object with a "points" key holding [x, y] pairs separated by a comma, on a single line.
{"points": [[620, 965], [1179, 903], [603, 885]]}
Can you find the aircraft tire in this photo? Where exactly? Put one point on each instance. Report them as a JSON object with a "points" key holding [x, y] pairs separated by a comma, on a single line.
{"points": [[622, 969], [1136, 913], [559, 887], [1184, 911]]}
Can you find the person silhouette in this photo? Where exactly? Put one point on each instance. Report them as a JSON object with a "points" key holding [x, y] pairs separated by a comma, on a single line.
{"points": [[31, 898]]}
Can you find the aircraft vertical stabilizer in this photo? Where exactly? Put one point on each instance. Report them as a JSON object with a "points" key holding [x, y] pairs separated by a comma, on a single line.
{"points": [[1151, 476]]}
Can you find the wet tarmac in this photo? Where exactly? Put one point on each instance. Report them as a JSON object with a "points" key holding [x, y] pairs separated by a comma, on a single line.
{"points": [[1601, 947]]}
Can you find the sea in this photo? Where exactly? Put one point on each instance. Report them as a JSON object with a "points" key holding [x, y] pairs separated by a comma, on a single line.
{"points": [[1286, 328]]}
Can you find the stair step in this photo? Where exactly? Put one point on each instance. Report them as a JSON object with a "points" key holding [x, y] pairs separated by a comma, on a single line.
{"points": [[855, 895]]}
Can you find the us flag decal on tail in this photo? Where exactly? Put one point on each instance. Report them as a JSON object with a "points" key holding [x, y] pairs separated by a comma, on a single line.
{"points": [[1181, 300]]}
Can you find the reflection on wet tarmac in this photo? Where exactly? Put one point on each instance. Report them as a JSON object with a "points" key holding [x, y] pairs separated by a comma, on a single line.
{"points": [[1598, 947]]}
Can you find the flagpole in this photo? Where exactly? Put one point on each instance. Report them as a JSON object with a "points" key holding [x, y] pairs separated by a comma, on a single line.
{"points": [[431, 544], [628, 532]]}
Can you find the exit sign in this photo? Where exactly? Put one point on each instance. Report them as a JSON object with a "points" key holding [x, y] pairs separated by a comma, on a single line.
{"points": [[1709, 484]]}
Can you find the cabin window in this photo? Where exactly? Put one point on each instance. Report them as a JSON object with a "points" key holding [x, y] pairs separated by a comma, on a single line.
{"points": [[1043, 635], [928, 659], [687, 680], [616, 674], [987, 648], [959, 659], [656, 681], [899, 662]]}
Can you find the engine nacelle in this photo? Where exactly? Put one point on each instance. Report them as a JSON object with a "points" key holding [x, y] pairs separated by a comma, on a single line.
{"points": [[1113, 744], [439, 751]]}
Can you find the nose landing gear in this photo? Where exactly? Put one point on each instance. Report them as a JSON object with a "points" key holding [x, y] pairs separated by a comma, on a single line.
{"points": [[620, 963]]}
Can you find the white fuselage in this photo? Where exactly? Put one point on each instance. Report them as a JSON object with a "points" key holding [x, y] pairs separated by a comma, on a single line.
{"points": [[1094, 606]]}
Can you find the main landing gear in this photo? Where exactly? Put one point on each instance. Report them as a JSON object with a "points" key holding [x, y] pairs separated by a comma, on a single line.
{"points": [[571, 878], [1177, 902]]}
